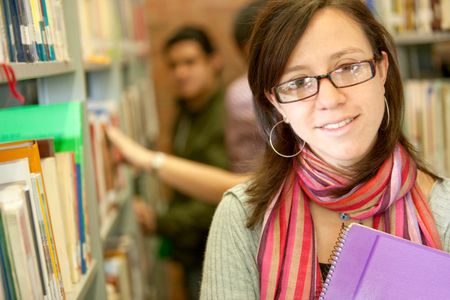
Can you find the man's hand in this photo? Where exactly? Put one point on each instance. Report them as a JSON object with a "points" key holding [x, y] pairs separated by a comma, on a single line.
{"points": [[145, 216]]}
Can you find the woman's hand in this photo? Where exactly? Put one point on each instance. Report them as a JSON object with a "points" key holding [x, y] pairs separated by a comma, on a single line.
{"points": [[132, 152]]}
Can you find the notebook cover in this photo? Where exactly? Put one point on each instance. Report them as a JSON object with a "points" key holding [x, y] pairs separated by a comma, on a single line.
{"points": [[376, 265]]}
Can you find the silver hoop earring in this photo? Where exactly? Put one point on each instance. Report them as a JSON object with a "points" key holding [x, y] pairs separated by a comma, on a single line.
{"points": [[388, 114], [275, 150]]}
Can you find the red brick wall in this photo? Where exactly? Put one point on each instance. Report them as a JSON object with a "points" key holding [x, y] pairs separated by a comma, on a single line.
{"points": [[164, 17]]}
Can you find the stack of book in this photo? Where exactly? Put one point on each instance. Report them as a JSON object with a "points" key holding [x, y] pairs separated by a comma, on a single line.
{"points": [[44, 237], [427, 121], [112, 29], [32, 31], [419, 16]]}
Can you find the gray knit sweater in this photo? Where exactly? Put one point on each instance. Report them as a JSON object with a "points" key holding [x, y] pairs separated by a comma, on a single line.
{"points": [[230, 268]]}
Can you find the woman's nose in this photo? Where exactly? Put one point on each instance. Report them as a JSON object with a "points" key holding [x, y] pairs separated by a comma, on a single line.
{"points": [[328, 96]]}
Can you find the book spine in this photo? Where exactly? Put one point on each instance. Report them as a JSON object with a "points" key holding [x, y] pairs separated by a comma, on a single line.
{"points": [[27, 20], [9, 31], [48, 33], [7, 268], [49, 233], [335, 253], [15, 45], [3, 38], [81, 218], [24, 32], [35, 15], [37, 241]]}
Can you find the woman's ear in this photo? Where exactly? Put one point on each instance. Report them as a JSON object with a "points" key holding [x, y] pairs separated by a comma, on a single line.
{"points": [[274, 102], [383, 66]]}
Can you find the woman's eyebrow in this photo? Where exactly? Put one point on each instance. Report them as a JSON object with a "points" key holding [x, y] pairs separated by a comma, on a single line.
{"points": [[295, 68], [343, 52], [334, 56]]}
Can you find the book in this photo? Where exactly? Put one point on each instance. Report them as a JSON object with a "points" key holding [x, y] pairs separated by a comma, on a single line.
{"points": [[8, 275], [370, 264], [14, 215], [19, 171], [49, 43], [29, 170], [66, 179], [11, 42], [49, 173]]}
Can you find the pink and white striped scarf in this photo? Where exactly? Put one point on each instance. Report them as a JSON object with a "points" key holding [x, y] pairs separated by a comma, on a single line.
{"points": [[287, 256]]}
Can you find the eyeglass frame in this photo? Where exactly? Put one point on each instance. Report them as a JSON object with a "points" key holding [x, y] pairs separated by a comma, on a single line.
{"points": [[318, 78]]}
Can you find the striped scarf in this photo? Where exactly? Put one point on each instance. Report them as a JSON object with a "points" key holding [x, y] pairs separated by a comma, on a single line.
{"points": [[287, 256]]}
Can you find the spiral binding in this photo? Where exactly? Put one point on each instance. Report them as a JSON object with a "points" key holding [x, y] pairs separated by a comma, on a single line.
{"points": [[335, 253]]}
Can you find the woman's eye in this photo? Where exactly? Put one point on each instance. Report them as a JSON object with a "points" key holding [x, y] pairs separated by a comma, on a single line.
{"points": [[299, 82], [351, 68], [295, 84]]}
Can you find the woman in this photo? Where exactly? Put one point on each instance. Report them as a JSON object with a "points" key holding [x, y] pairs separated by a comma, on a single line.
{"points": [[337, 155]]}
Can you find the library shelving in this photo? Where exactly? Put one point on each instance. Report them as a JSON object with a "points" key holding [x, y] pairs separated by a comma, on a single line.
{"points": [[93, 66], [421, 31], [427, 96]]}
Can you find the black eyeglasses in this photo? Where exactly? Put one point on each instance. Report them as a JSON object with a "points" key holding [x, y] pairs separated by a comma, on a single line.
{"points": [[302, 88]]}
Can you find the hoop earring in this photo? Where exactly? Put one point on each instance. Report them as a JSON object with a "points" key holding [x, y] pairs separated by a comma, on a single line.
{"points": [[275, 150], [388, 114]]}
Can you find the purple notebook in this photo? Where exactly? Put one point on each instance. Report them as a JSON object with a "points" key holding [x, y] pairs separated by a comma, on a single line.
{"points": [[374, 265]]}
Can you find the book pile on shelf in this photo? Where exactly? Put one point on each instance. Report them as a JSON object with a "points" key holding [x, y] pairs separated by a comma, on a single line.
{"points": [[44, 220], [112, 28], [131, 115], [420, 16], [32, 31], [110, 177], [427, 121], [124, 268]]}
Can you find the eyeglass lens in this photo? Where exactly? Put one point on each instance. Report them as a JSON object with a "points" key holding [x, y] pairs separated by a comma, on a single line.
{"points": [[305, 87]]}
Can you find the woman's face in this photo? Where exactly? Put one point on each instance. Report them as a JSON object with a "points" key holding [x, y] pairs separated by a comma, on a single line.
{"points": [[339, 124]]}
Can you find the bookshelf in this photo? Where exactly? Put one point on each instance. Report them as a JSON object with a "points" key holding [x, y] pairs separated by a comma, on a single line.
{"points": [[421, 33], [24, 71], [418, 38], [427, 96], [121, 66]]}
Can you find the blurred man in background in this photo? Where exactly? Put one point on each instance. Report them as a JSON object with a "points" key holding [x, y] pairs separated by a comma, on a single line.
{"points": [[198, 136]]}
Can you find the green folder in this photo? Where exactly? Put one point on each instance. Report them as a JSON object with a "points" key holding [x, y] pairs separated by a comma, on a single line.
{"points": [[61, 121]]}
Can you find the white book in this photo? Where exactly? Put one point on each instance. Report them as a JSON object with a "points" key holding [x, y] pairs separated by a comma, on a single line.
{"points": [[51, 259], [64, 167], [3, 38], [446, 101], [445, 9], [2, 279], [52, 188], [37, 221], [424, 16], [19, 237], [19, 171]]}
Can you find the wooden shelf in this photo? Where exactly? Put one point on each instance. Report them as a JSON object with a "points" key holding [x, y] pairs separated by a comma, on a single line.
{"points": [[25, 71], [80, 290], [417, 38]]}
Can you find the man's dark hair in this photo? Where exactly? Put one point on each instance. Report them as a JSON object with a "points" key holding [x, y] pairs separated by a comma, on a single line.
{"points": [[243, 22], [191, 33]]}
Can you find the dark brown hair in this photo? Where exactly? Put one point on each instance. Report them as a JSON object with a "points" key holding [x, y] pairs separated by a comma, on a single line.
{"points": [[191, 33], [277, 31]]}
